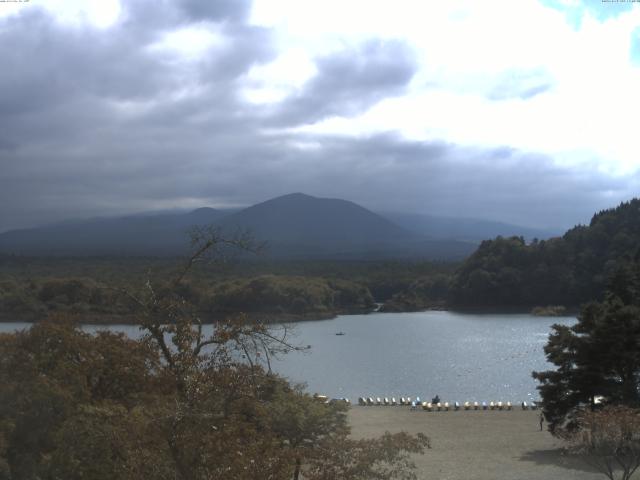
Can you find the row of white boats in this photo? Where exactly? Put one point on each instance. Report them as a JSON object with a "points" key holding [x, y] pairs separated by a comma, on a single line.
{"points": [[443, 406]]}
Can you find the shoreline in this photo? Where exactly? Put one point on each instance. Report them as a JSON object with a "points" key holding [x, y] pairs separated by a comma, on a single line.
{"points": [[268, 318]]}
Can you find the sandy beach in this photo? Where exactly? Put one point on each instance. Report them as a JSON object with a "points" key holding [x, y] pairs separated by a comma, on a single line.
{"points": [[476, 445]]}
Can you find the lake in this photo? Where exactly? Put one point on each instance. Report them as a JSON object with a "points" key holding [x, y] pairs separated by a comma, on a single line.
{"points": [[475, 357]]}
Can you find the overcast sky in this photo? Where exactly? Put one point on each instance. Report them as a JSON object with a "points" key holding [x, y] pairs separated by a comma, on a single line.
{"points": [[521, 111]]}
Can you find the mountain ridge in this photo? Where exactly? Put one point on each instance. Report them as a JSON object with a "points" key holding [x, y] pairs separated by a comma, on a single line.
{"points": [[463, 228], [293, 225]]}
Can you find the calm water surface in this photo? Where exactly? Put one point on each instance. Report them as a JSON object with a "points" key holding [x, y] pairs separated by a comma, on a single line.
{"points": [[458, 356]]}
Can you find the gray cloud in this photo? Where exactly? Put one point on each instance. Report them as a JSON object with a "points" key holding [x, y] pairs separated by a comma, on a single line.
{"points": [[349, 82], [236, 10], [94, 122], [386, 173]]}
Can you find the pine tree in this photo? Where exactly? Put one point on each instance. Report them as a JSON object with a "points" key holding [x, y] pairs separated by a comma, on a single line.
{"points": [[597, 357]]}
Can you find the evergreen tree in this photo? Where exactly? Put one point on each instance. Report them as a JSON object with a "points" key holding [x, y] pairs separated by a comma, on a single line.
{"points": [[597, 357], [567, 270]]}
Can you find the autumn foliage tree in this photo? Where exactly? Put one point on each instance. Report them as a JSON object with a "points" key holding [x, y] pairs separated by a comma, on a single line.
{"points": [[608, 440], [185, 401]]}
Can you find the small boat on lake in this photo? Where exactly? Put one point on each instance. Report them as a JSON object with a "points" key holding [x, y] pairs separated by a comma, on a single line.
{"points": [[340, 333]]}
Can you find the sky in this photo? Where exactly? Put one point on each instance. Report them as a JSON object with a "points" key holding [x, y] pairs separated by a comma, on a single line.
{"points": [[518, 111]]}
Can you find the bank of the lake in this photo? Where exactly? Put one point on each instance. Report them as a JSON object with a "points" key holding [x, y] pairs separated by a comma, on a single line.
{"points": [[131, 319]]}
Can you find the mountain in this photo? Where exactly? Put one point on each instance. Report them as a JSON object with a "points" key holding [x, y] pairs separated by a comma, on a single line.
{"points": [[298, 219], [567, 270], [293, 226], [142, 234], [299, 225], [466, 229]]}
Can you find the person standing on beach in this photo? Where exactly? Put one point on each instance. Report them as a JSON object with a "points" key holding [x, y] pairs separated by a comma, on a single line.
{"points": [[541, 420]]}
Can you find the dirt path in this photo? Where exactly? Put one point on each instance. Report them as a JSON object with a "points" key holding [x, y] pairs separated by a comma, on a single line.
{"points": [[476, 445]]}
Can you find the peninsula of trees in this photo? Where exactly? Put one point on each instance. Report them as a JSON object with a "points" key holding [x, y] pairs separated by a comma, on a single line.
{"points": [[569, 270]]}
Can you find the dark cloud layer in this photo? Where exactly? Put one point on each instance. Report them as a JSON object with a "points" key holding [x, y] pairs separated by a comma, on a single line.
{"points": [[97, 122], [236, 10]]}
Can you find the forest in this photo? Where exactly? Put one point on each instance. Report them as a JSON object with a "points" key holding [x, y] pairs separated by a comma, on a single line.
{"points": [[503, 273], [32, 287], [568, 270]]}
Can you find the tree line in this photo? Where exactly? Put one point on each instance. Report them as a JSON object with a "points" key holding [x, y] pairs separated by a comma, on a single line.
{"points": [[31, 288], [569, 270]]}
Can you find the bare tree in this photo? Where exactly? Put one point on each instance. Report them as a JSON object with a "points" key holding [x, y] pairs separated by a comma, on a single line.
{"points": [[174, 324], [608, 440]]}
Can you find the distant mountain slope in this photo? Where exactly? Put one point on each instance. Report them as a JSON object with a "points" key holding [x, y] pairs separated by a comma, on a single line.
{"points": [[468, 229], [145, 234], [299, 225], [568, 270], [305, 220], [293, 226]]}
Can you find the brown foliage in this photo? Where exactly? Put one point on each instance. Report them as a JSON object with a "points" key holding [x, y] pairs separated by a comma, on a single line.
{"points": [[176, 404], [609, 440]]}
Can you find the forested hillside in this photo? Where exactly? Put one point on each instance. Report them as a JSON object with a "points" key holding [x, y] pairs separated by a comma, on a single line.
{"points": [[568, 270], [32, 288], [284, 297]]}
